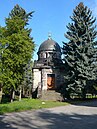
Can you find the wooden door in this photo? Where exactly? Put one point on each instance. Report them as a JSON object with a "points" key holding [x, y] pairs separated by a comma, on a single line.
{"points": [[50, 81]]}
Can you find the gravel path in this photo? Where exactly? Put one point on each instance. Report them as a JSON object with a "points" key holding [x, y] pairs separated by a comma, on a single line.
{"points": [[83, 116]]}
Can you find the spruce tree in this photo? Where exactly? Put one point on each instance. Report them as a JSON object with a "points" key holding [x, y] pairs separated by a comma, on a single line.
{"points": [[79, 52], [20, 50]]}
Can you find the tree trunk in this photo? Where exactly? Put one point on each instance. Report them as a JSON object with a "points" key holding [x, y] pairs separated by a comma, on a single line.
{"points": [[83, 94], [12, 95], [23, 91], [1, 94], [20, 94], [30, 93]]}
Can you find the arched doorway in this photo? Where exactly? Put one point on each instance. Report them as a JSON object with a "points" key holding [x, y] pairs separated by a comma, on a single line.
{"points": [[50, 81]]}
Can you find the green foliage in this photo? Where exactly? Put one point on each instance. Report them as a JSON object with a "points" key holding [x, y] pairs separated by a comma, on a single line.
{"points": [[21, 13], [20, 49], [27, 104], [79, 52], [26, 85]]}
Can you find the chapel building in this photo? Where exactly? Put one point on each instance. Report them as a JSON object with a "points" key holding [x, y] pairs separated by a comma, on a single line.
{"points": [[47, 70]]}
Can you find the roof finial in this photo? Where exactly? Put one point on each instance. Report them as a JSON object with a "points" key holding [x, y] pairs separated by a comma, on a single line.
{"points": [[49, 35]]}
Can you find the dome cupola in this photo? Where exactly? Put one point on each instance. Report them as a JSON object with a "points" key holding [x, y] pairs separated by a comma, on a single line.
{"points": [[49, 49], [49, 45]]}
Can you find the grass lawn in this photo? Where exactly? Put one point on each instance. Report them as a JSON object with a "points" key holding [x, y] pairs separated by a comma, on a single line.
{"points": [[28, 104]]}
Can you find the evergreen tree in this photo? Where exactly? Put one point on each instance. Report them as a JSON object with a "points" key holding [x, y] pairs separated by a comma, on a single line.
{"points": [[20, 50], [79, 52]]}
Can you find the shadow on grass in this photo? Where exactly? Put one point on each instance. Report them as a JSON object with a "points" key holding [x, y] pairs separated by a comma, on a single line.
{"points": [[4, 109]]}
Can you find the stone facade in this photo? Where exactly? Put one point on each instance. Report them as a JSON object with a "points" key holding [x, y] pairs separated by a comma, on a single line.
{"points": [[47, 70]]}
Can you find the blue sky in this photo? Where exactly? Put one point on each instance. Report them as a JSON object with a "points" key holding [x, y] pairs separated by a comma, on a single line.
{"points": [[49, 16]]}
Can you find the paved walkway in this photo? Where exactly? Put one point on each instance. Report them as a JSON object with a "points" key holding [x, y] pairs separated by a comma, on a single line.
{"points": [[83, 116]]}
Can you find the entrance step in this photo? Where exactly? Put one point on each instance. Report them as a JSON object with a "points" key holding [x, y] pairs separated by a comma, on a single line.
{"points": [[51, 95]]}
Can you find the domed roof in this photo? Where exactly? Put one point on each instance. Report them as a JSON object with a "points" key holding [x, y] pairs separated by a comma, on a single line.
{"points": [[49, 45]]}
